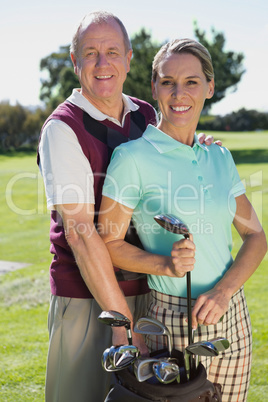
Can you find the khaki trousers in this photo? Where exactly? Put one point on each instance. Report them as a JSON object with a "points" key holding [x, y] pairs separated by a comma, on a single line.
{"points": [[76, 343]]}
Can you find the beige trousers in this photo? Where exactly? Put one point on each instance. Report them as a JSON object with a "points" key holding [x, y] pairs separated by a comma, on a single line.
{"points": [[76, 343]]}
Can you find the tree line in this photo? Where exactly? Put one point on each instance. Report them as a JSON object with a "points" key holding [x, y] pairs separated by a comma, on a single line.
{"points": [[20, 126]]}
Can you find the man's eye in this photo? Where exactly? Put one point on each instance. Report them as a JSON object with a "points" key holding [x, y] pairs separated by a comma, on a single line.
{"points": [[166, 82]]}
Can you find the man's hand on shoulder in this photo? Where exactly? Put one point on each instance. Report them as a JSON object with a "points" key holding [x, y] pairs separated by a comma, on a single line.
{"points": [[208, 139]]}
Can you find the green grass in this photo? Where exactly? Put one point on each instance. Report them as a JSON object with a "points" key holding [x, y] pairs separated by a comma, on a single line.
{"points": [[24, 294]]}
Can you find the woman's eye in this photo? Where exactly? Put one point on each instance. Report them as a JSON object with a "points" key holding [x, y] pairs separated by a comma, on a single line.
{"points": [[191, 82]]}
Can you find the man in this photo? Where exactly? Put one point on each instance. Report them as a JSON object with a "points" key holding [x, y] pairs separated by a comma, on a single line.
{"points": [[74, 151]]}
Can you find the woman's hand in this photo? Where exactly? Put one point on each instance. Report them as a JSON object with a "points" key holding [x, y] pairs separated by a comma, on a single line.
{"points": [[212, 305], [182, 253], [209, 308]]}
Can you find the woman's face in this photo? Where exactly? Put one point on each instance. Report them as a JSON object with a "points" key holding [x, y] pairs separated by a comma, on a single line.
{"points": [[181, 89]]}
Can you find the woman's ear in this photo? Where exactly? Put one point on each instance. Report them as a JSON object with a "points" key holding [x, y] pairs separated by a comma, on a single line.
{"points": [[211, 87], [153, 90]]}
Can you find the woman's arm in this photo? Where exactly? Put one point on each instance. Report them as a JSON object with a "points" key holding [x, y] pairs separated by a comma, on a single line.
{"points": [[212, 305], [114, 219]]}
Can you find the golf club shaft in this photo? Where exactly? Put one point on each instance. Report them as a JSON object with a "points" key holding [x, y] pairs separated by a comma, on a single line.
{"points": [[192, 365], [189, 308], [129, 336]]}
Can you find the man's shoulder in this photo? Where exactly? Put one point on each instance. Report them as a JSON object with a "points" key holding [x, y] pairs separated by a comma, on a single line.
{"points": [[141, 102], [146, 110], [66, 112], [66, 109]]}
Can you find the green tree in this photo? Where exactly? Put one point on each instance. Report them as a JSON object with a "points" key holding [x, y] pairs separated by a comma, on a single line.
{"points": [[228, 67], [138, 82], [61, 78], [12, 119], [19, 126]]}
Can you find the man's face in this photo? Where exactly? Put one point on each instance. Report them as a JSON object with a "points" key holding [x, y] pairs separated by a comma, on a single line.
{"points": [[102, 63]]}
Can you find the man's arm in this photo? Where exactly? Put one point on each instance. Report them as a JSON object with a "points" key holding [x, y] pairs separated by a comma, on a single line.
{"points": [[95, 264], [114, 219]]}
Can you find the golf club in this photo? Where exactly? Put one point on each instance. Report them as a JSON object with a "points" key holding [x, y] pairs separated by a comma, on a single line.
{"points": [[202, 349], [105, 361], [123, 356], [151, 326], [175, 225], [166, 371], [143, 368], [115, 319], [220, 343]]}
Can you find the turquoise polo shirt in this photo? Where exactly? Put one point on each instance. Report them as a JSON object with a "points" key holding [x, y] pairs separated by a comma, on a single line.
{"points": [[156, 174]]}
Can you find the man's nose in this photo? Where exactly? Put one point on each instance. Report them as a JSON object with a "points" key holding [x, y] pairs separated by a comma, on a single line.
{"points": [[102, 60]]}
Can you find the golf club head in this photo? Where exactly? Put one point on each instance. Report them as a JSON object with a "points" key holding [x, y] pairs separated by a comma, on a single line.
{"points": [[151, 326], [202, 349], [172, 224], [114, 319], [105, 361], [166, 371], [143, 368], [123, 356], [220, 343]]}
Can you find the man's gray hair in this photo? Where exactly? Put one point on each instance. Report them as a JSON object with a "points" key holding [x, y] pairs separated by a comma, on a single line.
{"points": [[98, 17]]}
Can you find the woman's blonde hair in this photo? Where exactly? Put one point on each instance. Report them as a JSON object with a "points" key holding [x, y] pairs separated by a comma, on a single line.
{"points": [[184, 46]]}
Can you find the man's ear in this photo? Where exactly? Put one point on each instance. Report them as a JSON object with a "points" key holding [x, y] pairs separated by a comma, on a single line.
{"points": [[129, 56], [74, 61]]}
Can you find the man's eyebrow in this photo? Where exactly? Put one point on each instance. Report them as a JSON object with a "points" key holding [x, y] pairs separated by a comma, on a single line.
{"points": [[84, 49], [94, 48]]}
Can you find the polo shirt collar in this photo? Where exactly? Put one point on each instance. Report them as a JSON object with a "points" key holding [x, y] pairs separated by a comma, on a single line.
{"points": [[79, 100], [164, 143]]}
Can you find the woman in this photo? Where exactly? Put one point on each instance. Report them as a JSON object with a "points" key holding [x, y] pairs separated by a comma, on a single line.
{"points": [[168, 171]]}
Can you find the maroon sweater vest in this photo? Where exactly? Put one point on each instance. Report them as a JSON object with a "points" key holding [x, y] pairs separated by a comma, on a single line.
{"points": [[97, 140]]}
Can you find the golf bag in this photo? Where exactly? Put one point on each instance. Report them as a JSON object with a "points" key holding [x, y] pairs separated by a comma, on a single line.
{"points": [[126, 387]]}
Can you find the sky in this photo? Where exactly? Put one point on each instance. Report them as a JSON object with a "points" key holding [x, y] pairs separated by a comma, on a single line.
{"points": [[31, 30]]}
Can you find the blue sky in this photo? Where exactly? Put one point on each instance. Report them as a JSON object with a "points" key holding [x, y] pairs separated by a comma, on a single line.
{"points": [[30, 30]]}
